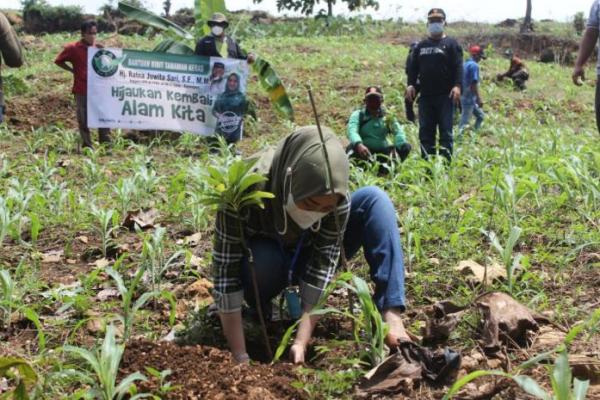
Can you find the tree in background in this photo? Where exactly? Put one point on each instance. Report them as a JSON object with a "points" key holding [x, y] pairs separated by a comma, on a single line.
{"points": [[167, 7], [307, 7], [579, 23], [527, 25]]}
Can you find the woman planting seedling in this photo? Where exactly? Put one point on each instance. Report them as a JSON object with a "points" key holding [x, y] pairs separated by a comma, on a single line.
{"points": [[294, 241]]}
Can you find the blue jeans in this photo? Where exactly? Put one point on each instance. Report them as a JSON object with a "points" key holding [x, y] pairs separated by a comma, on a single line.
{"points": [[372, 226], [1, 113], [436, 112], [469, 110]]}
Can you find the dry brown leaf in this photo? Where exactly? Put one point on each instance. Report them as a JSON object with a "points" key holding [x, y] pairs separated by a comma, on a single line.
{"points": [[200, 289], [585, 368], [193, 240], [101, 263], [548, 338], [83, 239], [52, 256], [70, 261], [196, 261], [143, 219], [503, 318], [476, 271], [106, 294]]}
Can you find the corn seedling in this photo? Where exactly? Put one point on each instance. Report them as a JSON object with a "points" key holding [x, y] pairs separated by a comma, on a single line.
{"points": [[154, 260], [108, 221], [510, 261], [164, 387], [7, 298], [369, 328], [129, 307], [126, 191], [104, 365], [564, 387]]}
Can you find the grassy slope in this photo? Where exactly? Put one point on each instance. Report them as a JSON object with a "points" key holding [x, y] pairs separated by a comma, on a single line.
{"points": [[544, 138]]}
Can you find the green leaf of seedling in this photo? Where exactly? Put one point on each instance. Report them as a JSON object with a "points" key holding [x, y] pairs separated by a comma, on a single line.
{"points": [[561, 375], [580, 389], [31, 315], [532, 387]]}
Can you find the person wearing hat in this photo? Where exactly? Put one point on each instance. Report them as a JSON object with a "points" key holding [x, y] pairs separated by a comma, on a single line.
{"points": [[218, 44], [471, 98], [10, 51], [437, 67], [369, 129]]}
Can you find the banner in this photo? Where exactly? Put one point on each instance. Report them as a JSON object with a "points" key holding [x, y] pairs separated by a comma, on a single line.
{"points": [[144, 90]]}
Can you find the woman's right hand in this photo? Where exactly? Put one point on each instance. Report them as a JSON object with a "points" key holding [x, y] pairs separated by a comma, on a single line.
{"points": [[297, 353]]}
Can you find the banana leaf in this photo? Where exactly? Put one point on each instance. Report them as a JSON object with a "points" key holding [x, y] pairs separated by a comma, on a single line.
{"points": [[203, 9], [147, 18], [173, 47], [274, 87]]}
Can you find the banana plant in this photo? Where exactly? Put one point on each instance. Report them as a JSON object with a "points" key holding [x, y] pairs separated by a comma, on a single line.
{"points": [[180, 41]]}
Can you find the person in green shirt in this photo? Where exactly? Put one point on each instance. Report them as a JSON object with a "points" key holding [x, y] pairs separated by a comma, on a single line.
{"points": [[370, 127]]}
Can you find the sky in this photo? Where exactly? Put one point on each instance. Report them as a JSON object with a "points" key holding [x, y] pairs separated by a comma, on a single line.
{"points": [[472, 10]]}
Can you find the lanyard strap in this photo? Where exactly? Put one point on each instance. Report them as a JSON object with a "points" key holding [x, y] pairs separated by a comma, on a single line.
{"points": [[295, 258]]}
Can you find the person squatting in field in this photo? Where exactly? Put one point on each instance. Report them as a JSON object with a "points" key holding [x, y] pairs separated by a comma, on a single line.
{"points": [[76, 54], [10, 51], [295, 240], [436, 67], [369, 128], [517, 72]]}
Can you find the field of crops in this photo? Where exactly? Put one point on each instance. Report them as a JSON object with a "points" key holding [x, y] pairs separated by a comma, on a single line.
{"points": [[79, 286]]}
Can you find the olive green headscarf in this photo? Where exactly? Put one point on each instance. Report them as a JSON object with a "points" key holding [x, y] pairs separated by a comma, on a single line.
{"points": [[299, 162]]}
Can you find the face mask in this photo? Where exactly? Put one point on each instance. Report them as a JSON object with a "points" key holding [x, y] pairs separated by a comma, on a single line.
{"points": [[303, 218], [217, 30], [435, 28]]}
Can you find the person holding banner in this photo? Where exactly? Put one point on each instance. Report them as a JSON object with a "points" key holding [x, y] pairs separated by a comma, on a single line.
{"points": [[218, 44], [297, 238], [229, 110], [77, 55]]}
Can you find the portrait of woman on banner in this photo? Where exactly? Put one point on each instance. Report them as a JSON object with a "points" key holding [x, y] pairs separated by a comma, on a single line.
{"points": [[229, 110]]}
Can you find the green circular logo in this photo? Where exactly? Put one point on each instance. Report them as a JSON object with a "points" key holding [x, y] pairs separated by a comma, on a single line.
{"points": [[105, 63]]}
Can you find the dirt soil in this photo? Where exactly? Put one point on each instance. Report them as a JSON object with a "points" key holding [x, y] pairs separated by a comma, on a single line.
{"points": [[26, 113], [208, 373]]}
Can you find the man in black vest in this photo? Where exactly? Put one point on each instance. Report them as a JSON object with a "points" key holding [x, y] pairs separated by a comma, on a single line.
{"points": [[218, 44], [437, 66]]}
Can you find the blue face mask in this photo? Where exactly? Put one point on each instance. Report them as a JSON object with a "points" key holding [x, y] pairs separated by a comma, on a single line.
{"points": [[435, 28]]}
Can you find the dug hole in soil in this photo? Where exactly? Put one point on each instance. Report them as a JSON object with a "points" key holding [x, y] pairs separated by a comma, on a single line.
{"points": [[201, 372]]}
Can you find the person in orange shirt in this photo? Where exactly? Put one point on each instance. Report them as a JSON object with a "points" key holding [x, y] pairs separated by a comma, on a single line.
{"points": [[517, 72]]}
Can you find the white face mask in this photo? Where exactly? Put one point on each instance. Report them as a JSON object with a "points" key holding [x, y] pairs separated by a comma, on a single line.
{"points": [[303, 218], [435, 28], [217, 30]]}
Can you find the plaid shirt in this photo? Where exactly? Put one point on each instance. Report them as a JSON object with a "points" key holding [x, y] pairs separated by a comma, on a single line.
{"points": [[228, 255]]}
